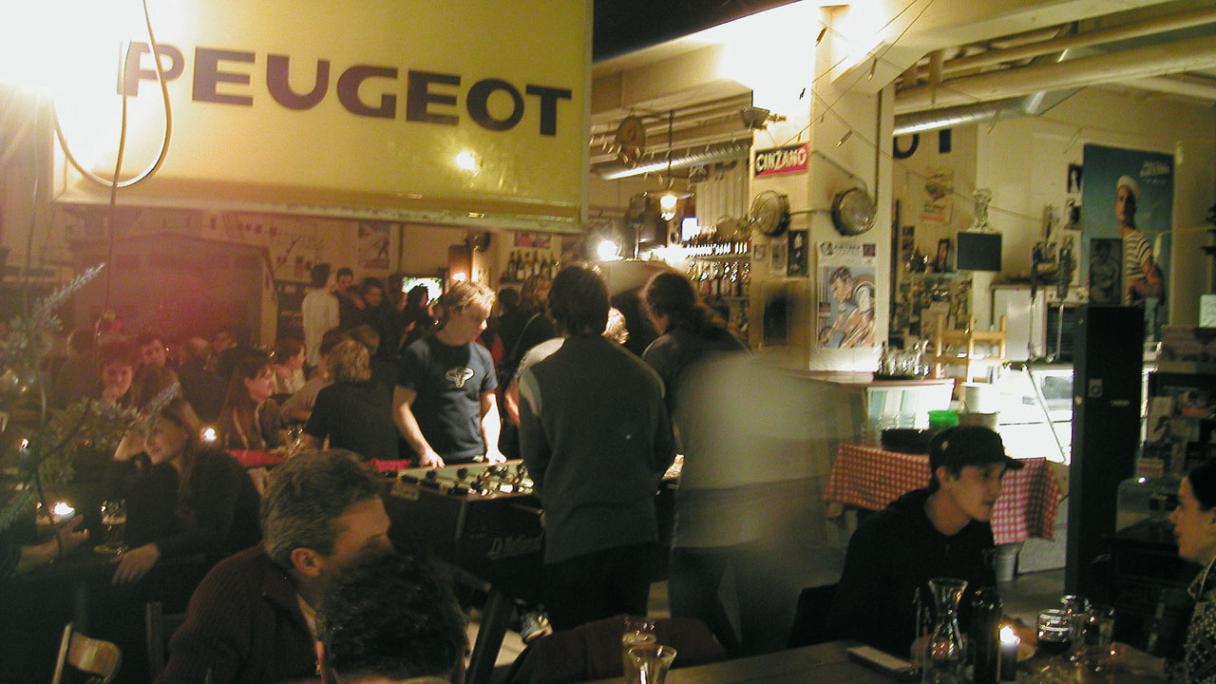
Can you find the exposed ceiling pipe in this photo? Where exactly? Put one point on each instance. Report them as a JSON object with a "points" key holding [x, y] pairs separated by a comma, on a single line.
{"points": [[1203, 88], [1009, 108], [679, 159], [1097, 37], [1144, 62]]}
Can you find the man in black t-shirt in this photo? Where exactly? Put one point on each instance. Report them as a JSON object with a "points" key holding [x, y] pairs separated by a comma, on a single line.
{"points": [[444, 402]]}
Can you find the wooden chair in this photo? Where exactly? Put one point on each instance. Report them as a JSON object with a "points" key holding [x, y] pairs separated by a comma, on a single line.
{"points": [[159, 629], [965, 340], [95, 657]]}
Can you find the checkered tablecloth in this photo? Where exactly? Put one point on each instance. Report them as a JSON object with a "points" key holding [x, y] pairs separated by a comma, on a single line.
{"points": [[260, 458], [871, 478]]}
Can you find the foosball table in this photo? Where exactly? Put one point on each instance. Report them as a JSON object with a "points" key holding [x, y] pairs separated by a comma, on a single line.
{"points": [[485, 521]]}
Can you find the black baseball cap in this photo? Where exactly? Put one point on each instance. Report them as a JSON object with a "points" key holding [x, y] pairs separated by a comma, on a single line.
{"points": [[964, 445]]}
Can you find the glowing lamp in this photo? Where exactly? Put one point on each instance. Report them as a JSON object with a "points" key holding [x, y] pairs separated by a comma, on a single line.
{"points": [[607, 250], [667, 206], [209, 435]]}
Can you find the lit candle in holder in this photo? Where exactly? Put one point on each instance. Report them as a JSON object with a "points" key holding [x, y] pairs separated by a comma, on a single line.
{"points": [[1009, 654], [209, 435]]}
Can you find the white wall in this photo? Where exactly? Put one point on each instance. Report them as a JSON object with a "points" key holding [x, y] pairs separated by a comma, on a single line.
{"points": [[1025, 163]]}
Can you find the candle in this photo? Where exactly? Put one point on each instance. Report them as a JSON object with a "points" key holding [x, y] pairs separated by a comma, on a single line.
{"points": [[1009, 654], [209, 435]]}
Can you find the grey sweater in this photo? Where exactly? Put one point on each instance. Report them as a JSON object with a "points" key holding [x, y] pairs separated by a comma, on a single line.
{"points": [[595, 434]]}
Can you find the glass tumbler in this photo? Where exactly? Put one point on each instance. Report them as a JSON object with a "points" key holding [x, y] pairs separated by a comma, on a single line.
{"points": [[652, 661], [638, 631]]}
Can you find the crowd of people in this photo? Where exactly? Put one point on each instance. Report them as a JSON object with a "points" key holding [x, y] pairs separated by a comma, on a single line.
{"points": [[542, 374]]}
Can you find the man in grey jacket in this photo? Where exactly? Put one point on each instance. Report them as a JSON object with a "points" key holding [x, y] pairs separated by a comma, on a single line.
{"points": [[595, 434]]}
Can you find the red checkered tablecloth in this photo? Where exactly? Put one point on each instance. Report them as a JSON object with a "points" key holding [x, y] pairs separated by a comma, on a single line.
{"points": [[871, 478], [258, 458]]}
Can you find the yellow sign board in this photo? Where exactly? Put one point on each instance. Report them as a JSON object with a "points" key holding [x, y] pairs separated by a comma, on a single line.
{"points": [[461, 111]]}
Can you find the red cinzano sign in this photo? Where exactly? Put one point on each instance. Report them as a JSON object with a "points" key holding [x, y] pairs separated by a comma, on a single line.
{"points": [[778, 161]]}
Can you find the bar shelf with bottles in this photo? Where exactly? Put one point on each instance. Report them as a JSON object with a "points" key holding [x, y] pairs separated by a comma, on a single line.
{"points": [[721, 271], [524, 264]]}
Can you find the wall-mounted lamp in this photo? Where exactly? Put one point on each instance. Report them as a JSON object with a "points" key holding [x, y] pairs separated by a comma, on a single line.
{"points": [[460, 263], [607, 250]]}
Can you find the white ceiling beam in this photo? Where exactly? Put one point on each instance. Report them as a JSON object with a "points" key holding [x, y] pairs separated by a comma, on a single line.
{"points": [[943, 24], [1136, 63]]}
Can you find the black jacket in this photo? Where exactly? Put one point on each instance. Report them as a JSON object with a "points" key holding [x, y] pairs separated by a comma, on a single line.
{"points": [[894, 554]]}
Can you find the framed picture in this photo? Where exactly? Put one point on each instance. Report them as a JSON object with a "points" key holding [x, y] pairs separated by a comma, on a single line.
{"points": [[777, 258], [941, 263], [799, 249]]}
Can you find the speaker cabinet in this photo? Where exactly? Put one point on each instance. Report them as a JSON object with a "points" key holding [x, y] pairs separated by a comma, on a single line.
{"points": [[1107, 371]]}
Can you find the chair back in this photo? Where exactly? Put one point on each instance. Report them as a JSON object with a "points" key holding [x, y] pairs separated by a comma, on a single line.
{"points": [[811, 617], [159, 628], [95, 657]]}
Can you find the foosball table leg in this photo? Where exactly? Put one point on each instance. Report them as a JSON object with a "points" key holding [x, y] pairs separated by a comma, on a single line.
{"points": [[495, 617]]}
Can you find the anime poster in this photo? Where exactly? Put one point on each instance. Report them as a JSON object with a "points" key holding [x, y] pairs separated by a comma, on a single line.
{"points": [[847, 293], [937, 197], [1129, 195], [373, 245]]}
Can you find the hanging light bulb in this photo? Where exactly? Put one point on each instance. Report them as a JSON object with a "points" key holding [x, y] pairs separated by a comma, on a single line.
{"points": [[667, 205]]}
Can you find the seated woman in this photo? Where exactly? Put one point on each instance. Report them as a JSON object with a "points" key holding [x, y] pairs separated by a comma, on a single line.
{"points": [[288, 366], [355, 412], [250, 419], [1195, 527], [185, 499]]}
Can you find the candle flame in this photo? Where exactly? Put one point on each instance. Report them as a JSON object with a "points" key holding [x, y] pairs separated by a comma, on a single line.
{"points": [[1008, 636]]}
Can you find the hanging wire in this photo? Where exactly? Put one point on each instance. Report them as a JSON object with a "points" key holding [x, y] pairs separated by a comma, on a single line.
{"points": [[168, 108]]}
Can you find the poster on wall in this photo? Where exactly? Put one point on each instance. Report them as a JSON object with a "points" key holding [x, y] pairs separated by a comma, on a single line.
{"points": [[1105, 271], [1129, 195], [937, 196], [373, 245], [846, 286]]}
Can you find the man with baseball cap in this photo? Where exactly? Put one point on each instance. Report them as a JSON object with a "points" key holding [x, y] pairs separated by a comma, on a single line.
{"points": [[940, 531]]}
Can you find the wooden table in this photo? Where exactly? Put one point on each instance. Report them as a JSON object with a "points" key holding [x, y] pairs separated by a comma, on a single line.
{"points": [[830, 664], [823, 664]]}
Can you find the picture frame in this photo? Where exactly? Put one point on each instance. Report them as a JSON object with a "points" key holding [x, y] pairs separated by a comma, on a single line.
{"points": [[941, 263]]}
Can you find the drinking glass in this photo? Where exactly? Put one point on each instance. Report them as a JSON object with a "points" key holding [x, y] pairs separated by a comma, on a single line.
{"points": [[638, 630], [1077, 607], [1051, 664], [114, 526], [651, 661], [1099, 637]]}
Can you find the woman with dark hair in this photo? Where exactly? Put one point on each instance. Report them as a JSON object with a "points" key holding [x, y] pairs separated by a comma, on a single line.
{"points": [[288, 365], [1195, 527], [185, 499], [416, 318], [356, 412], [250, 418], [688, 330], [702, 549]]}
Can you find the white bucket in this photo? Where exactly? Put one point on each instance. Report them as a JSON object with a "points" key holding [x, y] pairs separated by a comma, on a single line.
{"points": [[980, 397]]}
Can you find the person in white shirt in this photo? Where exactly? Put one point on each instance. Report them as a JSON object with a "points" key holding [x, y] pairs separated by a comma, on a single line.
{"points": [[320, 309]]}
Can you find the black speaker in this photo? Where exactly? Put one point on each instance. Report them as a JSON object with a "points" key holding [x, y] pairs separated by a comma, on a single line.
{"points": [[1107, 371]]}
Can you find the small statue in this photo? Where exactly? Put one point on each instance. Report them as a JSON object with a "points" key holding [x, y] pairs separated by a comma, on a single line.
{"points": [[983, 197]]}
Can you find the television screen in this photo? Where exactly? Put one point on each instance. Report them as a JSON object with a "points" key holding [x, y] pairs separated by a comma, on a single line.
{"points": [[978, 252]]}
